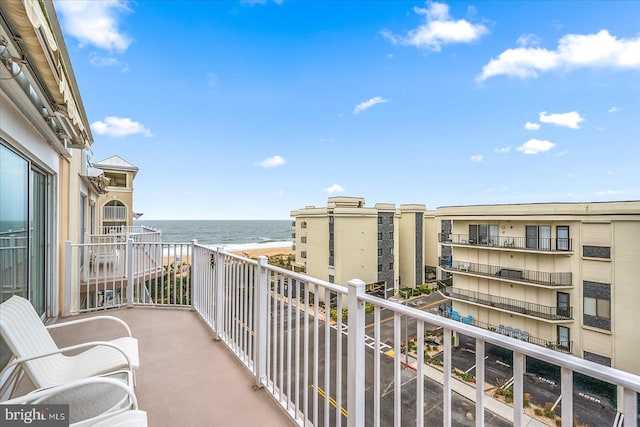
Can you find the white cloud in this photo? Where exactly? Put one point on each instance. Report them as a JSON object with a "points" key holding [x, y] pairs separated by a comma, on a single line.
{"points": [[95, 23], [439, 29], [477, 158], [600, 50], [571, 120], [272, 162], [119, 127], [535, 146], [613, 109], [107, 61], [530, 40], [503, 149], [609, 192], [368, 104], [335, 188], [532, 126]]}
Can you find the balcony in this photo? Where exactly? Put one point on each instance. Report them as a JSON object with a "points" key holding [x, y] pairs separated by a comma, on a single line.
{"points": [[509, 274], [114, 213], [560, 246], [510, 305], [562, 346], [271, 332]]}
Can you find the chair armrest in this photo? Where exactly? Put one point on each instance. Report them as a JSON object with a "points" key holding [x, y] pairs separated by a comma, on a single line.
{"points": [[40, 394], [71, 348], [91, 319]]}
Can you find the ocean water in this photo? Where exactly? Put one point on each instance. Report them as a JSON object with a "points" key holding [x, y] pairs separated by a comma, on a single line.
{"points": [[233, 234]]}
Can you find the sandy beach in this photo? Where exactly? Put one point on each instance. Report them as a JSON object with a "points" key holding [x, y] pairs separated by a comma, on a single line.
{"points": [[254, 253]]}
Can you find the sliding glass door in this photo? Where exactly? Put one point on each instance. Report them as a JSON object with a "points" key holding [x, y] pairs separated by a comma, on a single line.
{"points": [[23, 229]]}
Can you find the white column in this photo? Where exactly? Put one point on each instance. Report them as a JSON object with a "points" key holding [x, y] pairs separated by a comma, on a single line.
{"points": [[129, 269], [566, 391], [260, 320], [355, 354], [68, 250], [219, 293], [518, 383], [194, 274], [479, 382]]}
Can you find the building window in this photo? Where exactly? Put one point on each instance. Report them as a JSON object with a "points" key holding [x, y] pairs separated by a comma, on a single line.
{"points": [[379, 220], [331, 252], [303, 224], [593, 357], [390, 251], [597, 307], [379, 251], [562, 238], [538, 237], [303, 254], [562, 304], [330, 236], [390, 266], [483, 234], [391, 220], [391, 235], [596, 310], [564, 339], [303, 239], [596, 252], [379, 267], [379, 236]]}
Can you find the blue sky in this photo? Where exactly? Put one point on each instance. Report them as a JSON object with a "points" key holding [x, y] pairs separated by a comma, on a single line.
{"points": [[248, 110]]}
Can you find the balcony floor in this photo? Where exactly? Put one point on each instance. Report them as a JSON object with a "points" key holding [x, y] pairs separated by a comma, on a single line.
{"points": [[185, 378]]}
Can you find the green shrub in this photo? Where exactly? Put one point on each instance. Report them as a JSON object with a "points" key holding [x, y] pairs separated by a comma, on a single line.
{"points": [[538, 412]]}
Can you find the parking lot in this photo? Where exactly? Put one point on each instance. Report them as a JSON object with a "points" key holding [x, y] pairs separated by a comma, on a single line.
{"points": [[591, 402]]}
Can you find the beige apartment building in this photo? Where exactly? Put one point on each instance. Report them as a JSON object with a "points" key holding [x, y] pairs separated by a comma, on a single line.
{"points": [[115, 207], [564, 275], [381, 245]]}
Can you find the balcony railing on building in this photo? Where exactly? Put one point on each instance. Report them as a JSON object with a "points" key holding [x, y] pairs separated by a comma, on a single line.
{"points": [[273, 321], [510, 304], [512, 274], [559, 345], [114, 213], [14, 256], [542, 244]]}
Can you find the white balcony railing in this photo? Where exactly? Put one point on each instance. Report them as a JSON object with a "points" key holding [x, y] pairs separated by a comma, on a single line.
{"points": [[114, 213], [329, 372]]}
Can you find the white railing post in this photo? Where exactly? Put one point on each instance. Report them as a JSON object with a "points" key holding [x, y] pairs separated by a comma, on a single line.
{"points": [[68, 251], [260, 321], [194, 273], [84, 269], [219, 293], [630, 407], [355, 354], [480, 350], [446, 383], [518, 384], [129, 271], [566, 391]]}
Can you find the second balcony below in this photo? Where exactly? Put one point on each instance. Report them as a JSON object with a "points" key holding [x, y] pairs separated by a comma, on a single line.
{"points": [[509, 274], [510, 305]]}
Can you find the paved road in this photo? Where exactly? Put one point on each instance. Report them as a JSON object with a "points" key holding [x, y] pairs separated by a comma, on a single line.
{"points": [[463, 410]]}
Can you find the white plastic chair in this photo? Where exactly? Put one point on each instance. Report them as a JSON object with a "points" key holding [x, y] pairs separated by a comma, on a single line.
{"points": [[112, 402], [37, 353]]}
